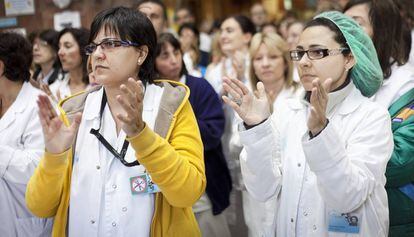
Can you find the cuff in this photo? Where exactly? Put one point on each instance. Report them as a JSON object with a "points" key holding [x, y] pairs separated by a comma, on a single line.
{"points": [[55, 163], [143, 141], [254, 134]]}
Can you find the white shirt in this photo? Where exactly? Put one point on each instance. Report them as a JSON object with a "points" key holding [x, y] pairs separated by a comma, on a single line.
{"points": [[63, 87], [341, 170], [400, 82], [21, 147], [101, 201]]}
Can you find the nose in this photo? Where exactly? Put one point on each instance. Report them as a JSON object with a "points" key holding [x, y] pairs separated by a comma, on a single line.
{"points": [[174, 59], [265, 61], [61, 52], [98, 53], [305, 61]]}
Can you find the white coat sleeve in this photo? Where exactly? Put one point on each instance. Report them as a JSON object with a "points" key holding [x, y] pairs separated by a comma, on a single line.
{"points": [[347, 173], [17, 164], [260, 160]]}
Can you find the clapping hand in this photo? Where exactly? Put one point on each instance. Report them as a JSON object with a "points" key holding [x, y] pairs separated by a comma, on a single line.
{"points": [[252, 109], [319, 99]]}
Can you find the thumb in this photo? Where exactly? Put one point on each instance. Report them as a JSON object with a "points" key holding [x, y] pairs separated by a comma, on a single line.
{"points": [[261, 90], [327, 85], [76, 122]]}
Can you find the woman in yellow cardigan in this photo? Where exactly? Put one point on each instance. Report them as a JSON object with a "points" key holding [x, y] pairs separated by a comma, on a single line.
{"points": [[129, 161]]}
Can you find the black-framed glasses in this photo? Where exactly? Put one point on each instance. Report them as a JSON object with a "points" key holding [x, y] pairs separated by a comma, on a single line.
{"points": [[315, 54], [108, 44]]}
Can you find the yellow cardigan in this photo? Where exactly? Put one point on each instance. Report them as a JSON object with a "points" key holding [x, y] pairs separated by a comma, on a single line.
{"points": [[174, 162]]}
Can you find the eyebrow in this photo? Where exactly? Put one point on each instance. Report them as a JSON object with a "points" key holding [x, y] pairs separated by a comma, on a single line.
{"points": [[312, 46]]}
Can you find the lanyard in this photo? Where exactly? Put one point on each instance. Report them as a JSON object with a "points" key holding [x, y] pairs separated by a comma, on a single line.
{"points": [[95, 132]]}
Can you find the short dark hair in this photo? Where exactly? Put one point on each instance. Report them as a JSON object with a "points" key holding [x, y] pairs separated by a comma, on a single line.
{"points": [[52, 38], [16, 55], [165, 38], [81, 37], [131, 25], [191, 27], [158, 2], [391, 41], [246, 25]]}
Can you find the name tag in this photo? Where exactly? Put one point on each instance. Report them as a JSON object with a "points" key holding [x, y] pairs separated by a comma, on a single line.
{"points": [[143, 184], [344, 223]]}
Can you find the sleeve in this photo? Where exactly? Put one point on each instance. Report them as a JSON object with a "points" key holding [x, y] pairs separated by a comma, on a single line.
{"points": [[44, 190], [18, 164], [348, 172], [210, 117], [400, 168], [176, 165], [260, 160]]}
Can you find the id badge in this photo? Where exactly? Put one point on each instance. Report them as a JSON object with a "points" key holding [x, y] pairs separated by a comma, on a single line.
{"points": [[143, 184], [344, 223]]}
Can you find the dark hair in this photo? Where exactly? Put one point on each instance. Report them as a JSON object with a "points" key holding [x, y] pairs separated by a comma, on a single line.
{"points": [[16, 55], [165, 38], [52, 38], [81, 37], [132, 25], [339, 37], [158, 2], [391, 41], [191, 27], [246, 25], [406, 8]]}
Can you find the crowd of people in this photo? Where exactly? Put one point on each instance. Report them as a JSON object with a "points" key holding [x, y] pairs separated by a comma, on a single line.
{"points": [[130, 128]]}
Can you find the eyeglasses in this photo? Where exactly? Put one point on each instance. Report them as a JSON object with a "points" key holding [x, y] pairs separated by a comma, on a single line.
{"points": [[108, 44], [40, 43], [314, 54]]}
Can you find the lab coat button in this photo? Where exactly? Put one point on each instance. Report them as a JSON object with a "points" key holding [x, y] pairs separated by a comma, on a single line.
{"points": [[291, 220], [114, 186], [305, 213], [92, 222], [299, 165], [98, 167], [114, 224], [124, 209], [314, 227]]}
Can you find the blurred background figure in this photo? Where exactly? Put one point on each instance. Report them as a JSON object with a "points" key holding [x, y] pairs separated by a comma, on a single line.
{"points": [[208, 110], [156, 11], [379, 20], [258, 15], [406, 8], [45, 58], [294, 29], [287, 18], [269, 28], [72, 43], [21, 140]]}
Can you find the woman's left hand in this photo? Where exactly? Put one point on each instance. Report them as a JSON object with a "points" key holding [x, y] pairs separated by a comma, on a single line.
{"points": [[319, 100], [131, 100]]}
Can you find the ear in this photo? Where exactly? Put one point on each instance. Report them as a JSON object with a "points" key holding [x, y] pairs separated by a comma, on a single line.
{"points": [[247, 37], [349, 62], [143, 52]]}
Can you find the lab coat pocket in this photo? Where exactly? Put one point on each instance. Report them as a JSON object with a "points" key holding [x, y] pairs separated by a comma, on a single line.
{"points": [[34, 227]]}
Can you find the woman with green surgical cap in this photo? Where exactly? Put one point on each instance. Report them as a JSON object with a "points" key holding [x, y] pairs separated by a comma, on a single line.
{"points": [[324, 154], [397, 95]]}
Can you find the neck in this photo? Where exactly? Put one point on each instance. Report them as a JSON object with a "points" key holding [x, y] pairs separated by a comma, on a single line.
{"points": [[273, 88], [76, 76], [46, 68], [8, 93]]}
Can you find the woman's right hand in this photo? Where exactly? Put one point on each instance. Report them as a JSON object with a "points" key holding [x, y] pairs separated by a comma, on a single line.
{"points": [[58, 137], [252, 109]]}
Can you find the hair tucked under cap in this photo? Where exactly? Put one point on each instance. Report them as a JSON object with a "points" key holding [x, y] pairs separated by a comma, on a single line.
{"points": [[366, 73]]}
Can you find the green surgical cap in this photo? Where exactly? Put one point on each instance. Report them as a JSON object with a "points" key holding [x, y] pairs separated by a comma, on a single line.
{"points": [[366, 73]]}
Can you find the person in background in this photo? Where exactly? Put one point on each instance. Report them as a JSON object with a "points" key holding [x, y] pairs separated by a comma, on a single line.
{"points": [[396, 94], [72, 43], [322, 155], [156, 11], [271, 65], [269, 28], [21, 140], [288, 17], [294, 30], [45, 58], [258, 15], [209, 210], [136, 167], [189, 41]]}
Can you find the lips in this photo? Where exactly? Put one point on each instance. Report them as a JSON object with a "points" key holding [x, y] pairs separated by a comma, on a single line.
{"points": [[97, 67]]}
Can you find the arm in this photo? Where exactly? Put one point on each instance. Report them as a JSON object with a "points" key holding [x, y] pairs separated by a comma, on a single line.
{"points": [[400, 168], [176, 165], [44, 190], [18, 163], [348, 173], [260, 161]]}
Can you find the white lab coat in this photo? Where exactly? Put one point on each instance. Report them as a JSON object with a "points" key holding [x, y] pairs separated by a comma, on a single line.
{"points": [[21, 146], [260, 217], [101, 201], [340, 170], [400, 82]]}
